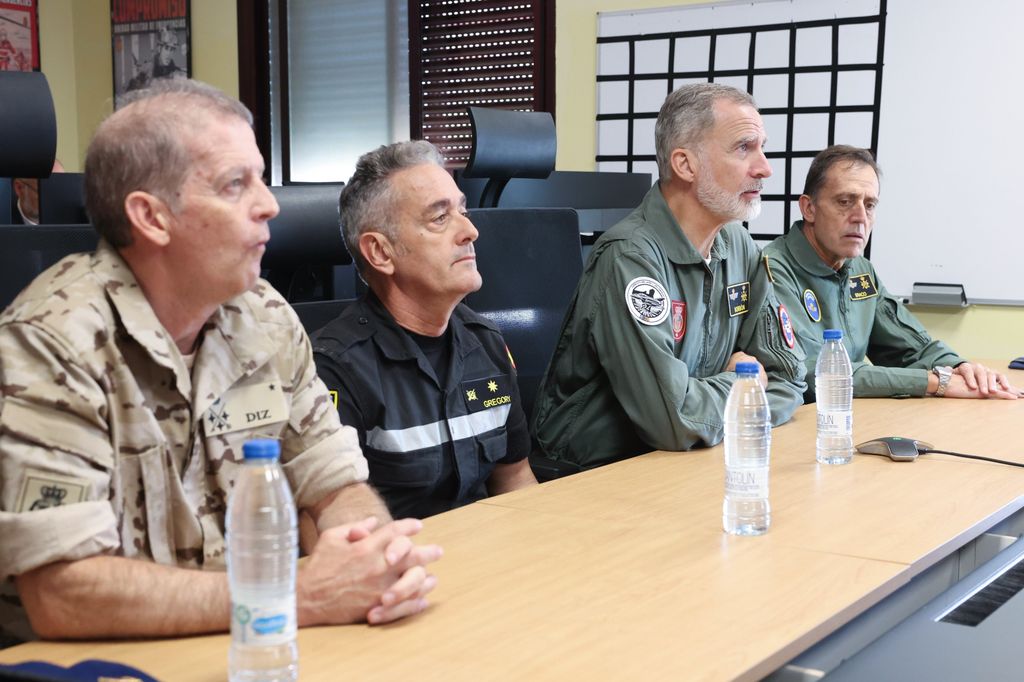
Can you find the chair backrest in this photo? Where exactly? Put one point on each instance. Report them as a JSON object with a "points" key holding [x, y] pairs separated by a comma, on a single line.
{"points": [[315, 315], [28, 125], [305, 243], [530, 261], [25, 251], [62, 199]]}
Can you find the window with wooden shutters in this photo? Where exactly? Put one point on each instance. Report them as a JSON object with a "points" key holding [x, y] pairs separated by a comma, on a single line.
{"points": [[489, 53]]}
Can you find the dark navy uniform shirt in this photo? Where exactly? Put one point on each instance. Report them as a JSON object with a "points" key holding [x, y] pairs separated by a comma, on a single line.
{"points": [[431, 442]]}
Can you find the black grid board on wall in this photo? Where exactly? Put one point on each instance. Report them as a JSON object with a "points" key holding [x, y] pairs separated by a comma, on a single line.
{"points": [[832, 116]]}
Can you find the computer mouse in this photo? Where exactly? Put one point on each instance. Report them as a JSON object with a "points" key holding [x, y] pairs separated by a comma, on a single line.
{"points": [[896, 448], [1017, 364]]}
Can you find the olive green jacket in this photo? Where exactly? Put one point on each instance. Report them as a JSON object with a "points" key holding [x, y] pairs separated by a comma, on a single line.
{"points": [[640, 362], [876, 325]]}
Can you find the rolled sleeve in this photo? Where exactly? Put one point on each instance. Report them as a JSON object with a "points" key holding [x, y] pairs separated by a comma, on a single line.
{"points": [[52, 436], [65, 533]]}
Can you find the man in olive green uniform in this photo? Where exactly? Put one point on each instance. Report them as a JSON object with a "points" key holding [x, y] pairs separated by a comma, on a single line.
{"points": [[820, 275], [130, 379], [671, 298]]}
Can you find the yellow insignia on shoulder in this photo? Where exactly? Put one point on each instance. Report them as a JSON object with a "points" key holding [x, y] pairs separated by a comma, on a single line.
{"points": [[334, 398], [768, 268]]}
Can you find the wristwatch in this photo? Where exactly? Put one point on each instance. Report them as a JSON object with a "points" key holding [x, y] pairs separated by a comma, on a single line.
{"points": [[944, 373]]}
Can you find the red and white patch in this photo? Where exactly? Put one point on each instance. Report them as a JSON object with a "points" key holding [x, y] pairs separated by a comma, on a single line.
{"points": [[678, 319], [786, 325]]}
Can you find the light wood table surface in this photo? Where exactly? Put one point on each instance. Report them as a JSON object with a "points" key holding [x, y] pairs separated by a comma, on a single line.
{"points": [[624, 573]]}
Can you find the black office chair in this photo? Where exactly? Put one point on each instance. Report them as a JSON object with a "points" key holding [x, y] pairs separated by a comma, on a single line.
{"points": [[509, 144], [306, 258], [530, 262], [62, 199], [26, 251], [316, 315]]}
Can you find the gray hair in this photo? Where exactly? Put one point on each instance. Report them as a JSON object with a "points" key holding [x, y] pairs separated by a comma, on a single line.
{"points": [[144, 145], [686, 116], [830, 156], [366, 203]]}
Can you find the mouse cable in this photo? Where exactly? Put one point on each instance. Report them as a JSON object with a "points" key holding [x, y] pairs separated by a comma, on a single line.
{"points": [[960, 454]]}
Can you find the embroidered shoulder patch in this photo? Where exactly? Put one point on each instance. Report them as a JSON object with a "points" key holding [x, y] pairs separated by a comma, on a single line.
{"points": [[647, 300], [786, 325], [811, 306], [42, 490], [678, 319], [862, 286]]}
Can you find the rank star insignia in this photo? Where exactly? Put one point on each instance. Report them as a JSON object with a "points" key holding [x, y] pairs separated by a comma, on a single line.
{"points": [[471, 394], [738, 295], [862, 287], [219, 417], [492, 386]]}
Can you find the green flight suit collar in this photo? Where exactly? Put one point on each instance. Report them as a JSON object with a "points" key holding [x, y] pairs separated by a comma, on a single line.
{"points": [[806, 258], [676, 247]]}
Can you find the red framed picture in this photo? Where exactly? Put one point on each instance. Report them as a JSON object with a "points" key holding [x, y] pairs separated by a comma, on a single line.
{"points": [[19, 35]]}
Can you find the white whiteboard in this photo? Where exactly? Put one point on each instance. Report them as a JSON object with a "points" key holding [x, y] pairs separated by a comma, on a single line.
{"points": [[952, 101], [950, 148]]}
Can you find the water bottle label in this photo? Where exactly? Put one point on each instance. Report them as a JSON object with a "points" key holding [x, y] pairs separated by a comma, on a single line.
{"points": [[835, 423], [747, 483], [259, 621]]}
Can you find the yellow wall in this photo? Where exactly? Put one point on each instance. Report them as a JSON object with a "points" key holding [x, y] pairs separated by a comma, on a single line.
{"points": [[994, 332], [74, 43]]}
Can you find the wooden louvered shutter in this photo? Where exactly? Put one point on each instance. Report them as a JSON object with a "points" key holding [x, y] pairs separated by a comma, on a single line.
{"points": [[491, 53]]}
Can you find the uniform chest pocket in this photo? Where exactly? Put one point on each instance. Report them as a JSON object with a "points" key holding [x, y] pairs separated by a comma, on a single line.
{"points": [[493, 446], [146, 504], [414, 469]]}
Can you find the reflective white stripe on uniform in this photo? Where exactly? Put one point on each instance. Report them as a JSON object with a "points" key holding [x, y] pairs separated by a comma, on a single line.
{"points": [[434, 434]]}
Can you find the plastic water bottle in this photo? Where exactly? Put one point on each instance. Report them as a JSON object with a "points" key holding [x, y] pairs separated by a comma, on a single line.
{"points": [[262, 556], [748, 441], [833, 385]]}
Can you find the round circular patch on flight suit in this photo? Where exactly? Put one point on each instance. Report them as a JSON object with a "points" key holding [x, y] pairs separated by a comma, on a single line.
{"points": [[811, 306], [786, 325], [647, 300]]}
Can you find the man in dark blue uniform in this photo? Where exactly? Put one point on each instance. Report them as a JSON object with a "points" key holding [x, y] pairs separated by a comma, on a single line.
{"points": [[428, 384]]}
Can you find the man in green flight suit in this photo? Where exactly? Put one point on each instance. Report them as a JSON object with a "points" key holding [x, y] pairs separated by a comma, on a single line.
{"points": [[672, 298], [818, 268]]}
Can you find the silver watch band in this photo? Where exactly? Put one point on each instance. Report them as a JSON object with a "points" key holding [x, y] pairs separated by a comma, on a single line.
{"points": [[944, 374]]}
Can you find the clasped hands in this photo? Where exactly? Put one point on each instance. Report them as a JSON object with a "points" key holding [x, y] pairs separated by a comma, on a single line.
{"points": [[365, 571]]}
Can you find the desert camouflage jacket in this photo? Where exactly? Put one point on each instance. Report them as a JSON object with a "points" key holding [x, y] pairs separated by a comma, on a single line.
{"points": [[109, 444]]}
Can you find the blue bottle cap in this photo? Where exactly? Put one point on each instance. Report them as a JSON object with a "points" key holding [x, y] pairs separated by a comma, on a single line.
{"points": [[833, 334], [748, 368], [261, 448]]}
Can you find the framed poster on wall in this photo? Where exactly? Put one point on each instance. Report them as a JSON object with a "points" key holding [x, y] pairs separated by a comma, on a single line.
{"points": [[19, 35], [150, 40]]}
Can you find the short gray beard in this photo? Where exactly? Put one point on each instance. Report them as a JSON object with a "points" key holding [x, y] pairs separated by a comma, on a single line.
{"points": [[716, 199]]}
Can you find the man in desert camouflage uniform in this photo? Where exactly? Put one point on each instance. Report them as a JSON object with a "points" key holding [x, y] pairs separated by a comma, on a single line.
{"points": [[132, 376]]}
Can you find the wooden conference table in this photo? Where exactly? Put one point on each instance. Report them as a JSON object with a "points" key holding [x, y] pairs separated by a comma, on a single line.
{"points": [[624, 572]]}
